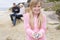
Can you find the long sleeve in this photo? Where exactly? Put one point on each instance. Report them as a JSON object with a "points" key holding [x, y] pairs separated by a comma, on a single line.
{"points": [[27, 26], [43, 26]]}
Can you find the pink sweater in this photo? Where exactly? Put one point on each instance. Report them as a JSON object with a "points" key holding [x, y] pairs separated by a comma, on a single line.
{"points": [[29, 31]]}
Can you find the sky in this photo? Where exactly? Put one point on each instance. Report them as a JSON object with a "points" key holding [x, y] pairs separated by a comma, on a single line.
{"points": [[8, 3]]}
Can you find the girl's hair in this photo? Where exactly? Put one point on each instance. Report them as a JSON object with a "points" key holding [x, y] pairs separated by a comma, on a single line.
{"points": [[31, 18]]}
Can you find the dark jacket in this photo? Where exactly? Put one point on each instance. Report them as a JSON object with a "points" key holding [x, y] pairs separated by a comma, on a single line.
{"points": [[15, 9]]}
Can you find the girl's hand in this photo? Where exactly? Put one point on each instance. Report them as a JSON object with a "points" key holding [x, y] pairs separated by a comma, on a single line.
{"points": [[40, 35], [36, 35]]}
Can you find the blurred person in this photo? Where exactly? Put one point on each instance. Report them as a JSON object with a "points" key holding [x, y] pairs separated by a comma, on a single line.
{"points": [[35, 22], [15, 13], [22, 9], [28, 1]]}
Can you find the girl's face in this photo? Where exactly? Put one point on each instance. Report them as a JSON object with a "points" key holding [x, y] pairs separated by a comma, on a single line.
{"points": [[36, 9]]}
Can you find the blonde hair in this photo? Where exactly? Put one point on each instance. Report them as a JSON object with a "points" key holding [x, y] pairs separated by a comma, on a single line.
{"points": [[31, 20]]}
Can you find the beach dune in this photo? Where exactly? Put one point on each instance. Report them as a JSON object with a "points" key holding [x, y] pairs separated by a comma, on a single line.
{"points": [[8, 31]]}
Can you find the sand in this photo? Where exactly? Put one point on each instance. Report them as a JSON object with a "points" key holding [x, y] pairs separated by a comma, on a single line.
{"points": [[10, 32]]}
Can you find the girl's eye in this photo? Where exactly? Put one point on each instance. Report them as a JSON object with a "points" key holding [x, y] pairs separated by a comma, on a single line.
{"points": [[38, 6], [34, 6]]}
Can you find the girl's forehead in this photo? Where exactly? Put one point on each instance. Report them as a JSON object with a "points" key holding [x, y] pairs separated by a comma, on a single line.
{"points": [[37, 5]]}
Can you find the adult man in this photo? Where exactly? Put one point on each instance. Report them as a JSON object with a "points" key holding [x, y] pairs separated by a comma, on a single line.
{"points": [[15, 11]]}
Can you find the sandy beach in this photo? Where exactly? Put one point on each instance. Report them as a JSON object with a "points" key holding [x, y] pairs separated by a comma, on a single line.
{"points": [[10, 32]]}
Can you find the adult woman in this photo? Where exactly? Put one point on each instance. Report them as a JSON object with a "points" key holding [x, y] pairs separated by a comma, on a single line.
{"points": [[22, 9], [35, 22]]}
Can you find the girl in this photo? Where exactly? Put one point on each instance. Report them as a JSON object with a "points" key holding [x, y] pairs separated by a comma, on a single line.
{"points": [[35, 22]]}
